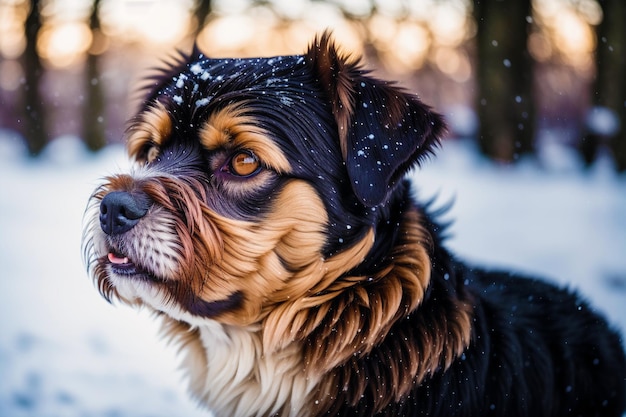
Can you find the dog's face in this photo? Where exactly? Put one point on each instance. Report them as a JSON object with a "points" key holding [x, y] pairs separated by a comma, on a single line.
{"points": [[257, 183]]}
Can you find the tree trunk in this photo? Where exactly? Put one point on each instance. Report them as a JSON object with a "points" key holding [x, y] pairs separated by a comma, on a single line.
{"points": [[505, 78], [202, 10], [94, 108], [33, 124], [609, 89]]}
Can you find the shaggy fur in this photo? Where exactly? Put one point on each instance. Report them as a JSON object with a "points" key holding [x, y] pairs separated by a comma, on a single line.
{"points": [[267, 223]]}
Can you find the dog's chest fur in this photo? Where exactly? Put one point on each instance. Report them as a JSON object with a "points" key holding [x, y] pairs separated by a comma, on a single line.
{"points": [[239, 379]]}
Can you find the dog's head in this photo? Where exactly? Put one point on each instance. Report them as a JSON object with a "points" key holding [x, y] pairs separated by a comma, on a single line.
{"points": [[259, 184]]}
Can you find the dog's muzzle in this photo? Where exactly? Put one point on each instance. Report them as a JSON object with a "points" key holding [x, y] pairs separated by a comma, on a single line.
{"points": [[120, 211]]}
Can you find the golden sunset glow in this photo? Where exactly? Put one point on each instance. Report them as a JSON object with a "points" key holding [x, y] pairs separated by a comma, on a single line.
{"points": [[405, 34], [574, 37], [147, 21], [12, 39], [449, 23], [63, 44], [454, 63], [247, 34], [566, 33]]}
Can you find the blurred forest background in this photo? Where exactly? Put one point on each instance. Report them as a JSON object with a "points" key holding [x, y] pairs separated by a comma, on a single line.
{"points": [[508, 73]]}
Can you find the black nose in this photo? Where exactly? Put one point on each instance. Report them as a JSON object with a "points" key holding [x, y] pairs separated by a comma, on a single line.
{"points": [[120, 211]]}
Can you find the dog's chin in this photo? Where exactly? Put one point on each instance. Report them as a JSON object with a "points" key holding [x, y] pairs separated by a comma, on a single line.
{"points": [[132, 281], [144, 290], [134, 284]]}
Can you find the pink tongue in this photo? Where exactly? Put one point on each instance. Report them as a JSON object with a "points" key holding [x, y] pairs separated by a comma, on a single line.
{"points": [[118, 261]]}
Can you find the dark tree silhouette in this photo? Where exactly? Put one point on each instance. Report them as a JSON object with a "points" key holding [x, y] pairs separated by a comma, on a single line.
{"points": [[34, 120], [201, 12], [94, 106], [609, 88], [504, 77]]}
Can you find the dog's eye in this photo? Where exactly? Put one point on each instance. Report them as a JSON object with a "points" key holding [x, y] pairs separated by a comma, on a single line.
{"points": [[244, 164]]}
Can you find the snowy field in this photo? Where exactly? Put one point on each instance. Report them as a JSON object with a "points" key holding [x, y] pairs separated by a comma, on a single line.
{"points": [[65, 352]]}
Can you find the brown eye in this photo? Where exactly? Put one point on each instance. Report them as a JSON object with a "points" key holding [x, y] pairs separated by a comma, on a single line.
{"points": [[244, 164]]}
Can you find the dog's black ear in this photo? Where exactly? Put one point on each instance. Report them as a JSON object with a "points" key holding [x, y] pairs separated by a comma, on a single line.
{"points": [[383, 131]]}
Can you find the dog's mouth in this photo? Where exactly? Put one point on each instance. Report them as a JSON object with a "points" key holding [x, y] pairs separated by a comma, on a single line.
{"points": [[120, 264]]}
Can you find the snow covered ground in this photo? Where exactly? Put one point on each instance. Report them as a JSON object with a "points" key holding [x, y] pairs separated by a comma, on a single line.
{"points": [[65, 352]]}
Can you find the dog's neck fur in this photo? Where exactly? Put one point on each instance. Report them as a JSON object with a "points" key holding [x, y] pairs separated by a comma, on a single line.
{"points": [[244, 375], [240, 379]]}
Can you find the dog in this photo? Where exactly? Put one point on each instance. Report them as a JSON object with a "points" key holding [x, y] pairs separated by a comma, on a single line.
{"points": [[268, 222]]}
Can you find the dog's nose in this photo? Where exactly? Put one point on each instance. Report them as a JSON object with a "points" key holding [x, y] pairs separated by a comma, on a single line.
{"points": [[120, 211]]}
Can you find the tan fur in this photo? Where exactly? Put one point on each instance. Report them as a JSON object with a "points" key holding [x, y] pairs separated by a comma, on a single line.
{"points": [[263, 260], [232, 128], [227, 368], [337, 73], [353, 313], [327, 327], [355, 322], [344, 318], [151, 129]]}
